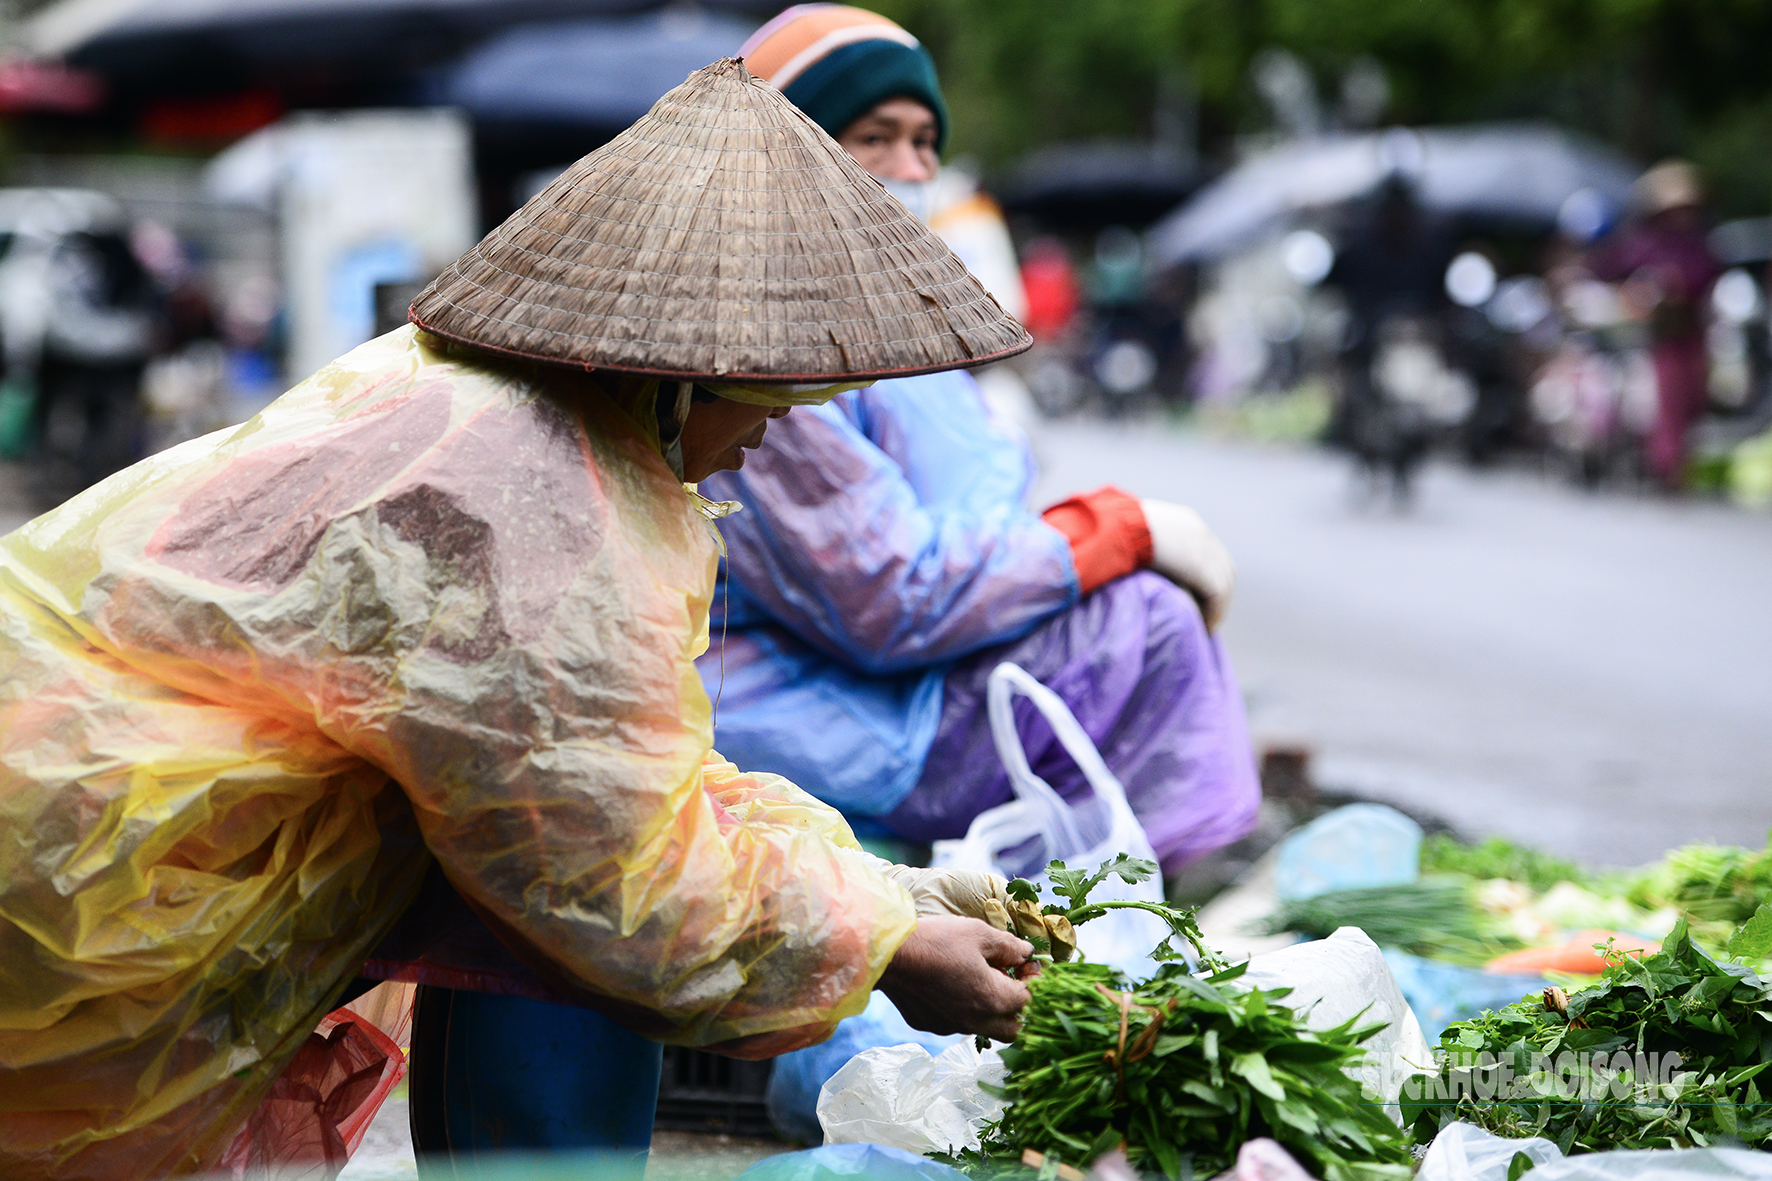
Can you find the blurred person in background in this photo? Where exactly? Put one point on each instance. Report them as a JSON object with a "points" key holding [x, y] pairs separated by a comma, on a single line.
{"points": [[79, 318], [1051, 286], [1663, 259], [184, 388], [1121, 349], [886, 561], [1390, 270]]}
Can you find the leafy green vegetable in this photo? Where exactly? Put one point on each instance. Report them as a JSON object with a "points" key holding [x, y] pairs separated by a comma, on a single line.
{"points": [[1594, 1070], [1716, 887], [1753, 942], [1432, 917], [1497, 858], [1180, 1070], [1075, 884]]}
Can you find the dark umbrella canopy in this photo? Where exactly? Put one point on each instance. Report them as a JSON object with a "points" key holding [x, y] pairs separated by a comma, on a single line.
{"points": [[1090, 185], [1518, 175], [599, 73], [172, 46]]}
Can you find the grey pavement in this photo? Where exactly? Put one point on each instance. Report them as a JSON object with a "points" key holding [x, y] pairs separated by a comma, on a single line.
{"points": [[385, 1153], [1591, 673]]}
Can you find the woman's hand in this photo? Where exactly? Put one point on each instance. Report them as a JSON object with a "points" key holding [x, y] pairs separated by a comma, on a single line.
{"points": [[949, 977]]}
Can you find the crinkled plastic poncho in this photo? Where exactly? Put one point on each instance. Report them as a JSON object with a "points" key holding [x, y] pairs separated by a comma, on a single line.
{"points": [[418, 607]]}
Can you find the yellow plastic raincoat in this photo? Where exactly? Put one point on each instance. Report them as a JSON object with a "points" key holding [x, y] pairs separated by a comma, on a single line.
{"points": [[419, 607]]}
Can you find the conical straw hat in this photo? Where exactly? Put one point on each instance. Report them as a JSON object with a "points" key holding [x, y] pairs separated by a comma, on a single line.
{"points": [[723, 237]]}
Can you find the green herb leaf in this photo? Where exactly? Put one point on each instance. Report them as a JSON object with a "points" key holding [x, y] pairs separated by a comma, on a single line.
{"points": [[1753, 942], [1254, 1068]]}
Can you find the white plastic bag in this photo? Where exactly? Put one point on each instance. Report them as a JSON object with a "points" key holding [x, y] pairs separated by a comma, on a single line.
{"points": [[1336, 978], [1465, 1152], [1660, 1164], [1017, 839], [902, 1097]]}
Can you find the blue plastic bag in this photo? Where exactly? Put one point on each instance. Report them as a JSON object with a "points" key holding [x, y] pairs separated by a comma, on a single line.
{"points": [[876, 1162], [1443, 993], [1351, 848]]}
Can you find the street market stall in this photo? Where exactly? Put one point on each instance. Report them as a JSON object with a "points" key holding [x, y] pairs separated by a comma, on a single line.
{"points": [[1636, 1049]]}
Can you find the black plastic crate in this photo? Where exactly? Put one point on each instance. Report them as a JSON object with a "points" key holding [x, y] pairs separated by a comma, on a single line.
{"points": [[703, 1092]]}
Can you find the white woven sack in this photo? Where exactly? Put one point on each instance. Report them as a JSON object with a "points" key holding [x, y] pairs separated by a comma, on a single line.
{"points": [[1017, 839]]}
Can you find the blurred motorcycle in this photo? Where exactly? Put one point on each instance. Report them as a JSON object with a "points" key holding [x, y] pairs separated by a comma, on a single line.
{"points": [[1593, 400], [1398, 399]]}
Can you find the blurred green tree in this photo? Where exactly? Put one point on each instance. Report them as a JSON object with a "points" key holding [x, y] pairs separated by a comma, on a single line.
{"points": [[1654, 77]]}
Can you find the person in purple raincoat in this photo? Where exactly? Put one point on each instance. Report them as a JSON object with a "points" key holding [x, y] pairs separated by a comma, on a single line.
{"points": [[1665, 254], [886, 562]]}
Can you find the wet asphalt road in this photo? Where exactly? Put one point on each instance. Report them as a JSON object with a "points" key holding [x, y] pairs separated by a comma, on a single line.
{"points": [[1589, 673]]}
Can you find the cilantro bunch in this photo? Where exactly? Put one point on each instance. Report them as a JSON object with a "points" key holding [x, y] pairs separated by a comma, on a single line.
{"points": [[1498, 857]]}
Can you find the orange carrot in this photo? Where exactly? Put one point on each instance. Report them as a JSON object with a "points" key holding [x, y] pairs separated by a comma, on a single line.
{"points": [[1576, 955]]}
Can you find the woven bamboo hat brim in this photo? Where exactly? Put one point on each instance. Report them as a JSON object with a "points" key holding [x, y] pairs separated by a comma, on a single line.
{"points": [[723, 237]]}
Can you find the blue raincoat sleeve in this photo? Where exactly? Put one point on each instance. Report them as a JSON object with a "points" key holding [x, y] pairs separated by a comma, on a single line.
{"points": [[884, 536], [890, 530]]}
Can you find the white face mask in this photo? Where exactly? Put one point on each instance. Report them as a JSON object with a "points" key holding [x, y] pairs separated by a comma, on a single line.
{"points": [[918, 196]]}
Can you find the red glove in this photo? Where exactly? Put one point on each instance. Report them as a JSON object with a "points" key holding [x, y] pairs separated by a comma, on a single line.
{"points": [[1113, 534], [1108, 535]]}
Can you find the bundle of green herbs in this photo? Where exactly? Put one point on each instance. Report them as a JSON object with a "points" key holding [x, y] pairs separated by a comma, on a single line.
{"points": [[1179, 1070], [1717, 887], [1497, 857], [1664, 1051], [1434, 917]]}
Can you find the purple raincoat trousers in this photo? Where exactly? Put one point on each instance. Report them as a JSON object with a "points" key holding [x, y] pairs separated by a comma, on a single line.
{"points": [[1149, 686]]}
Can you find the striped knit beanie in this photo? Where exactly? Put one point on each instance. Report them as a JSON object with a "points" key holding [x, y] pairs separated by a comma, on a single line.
{"points": [[836, 63]]}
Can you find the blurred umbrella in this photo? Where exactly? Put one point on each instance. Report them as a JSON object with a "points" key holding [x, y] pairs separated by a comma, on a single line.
{"points": [[1743, 242], [183, 46], [590, 73], [1091, 185], [1518, 175]]}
